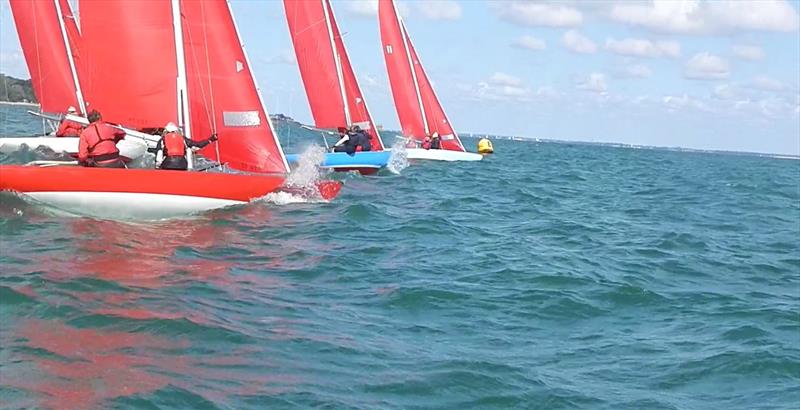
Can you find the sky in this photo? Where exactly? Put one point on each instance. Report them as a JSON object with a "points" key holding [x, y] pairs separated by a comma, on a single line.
{"points": [[679, 73]]}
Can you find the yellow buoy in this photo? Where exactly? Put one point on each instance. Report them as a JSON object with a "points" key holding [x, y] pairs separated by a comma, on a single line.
{"points": [[485, 146]]}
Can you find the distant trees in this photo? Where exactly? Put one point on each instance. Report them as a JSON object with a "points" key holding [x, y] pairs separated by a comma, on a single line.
{"points": [[16, 90]]}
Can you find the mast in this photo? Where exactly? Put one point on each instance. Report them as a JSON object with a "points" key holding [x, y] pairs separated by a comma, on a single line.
{"points": [[182, 96], [78, 93], [338, 62], [411, 67], [258, 90]]}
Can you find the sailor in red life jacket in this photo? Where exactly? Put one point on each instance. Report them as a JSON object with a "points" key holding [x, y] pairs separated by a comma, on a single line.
{"points": [[69, 128], [426, 144], [173, 148], [98, 144]]}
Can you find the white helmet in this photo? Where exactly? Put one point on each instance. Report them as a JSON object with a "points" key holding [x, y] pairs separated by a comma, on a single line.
{"points": [[171, 127], [71, 109]]}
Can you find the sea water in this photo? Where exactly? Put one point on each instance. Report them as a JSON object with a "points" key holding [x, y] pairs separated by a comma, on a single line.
{"points": [[548, 275]]}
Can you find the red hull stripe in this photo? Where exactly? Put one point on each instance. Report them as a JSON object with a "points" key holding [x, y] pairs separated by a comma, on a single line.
{"points": [[234, 187]]}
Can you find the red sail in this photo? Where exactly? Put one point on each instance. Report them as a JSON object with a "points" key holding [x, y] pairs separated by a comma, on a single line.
{"points": [[317, 49], [434, 113], [401, 77], [128, 61], [45, 53], [359, 114], [73, 34], [223, 97], [417, 105], [317, 61]]}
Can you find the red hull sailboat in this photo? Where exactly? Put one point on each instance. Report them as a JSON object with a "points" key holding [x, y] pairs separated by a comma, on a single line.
{"points": [[170, 61]]}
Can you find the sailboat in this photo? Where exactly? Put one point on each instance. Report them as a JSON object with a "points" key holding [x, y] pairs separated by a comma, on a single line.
{"points": [[49, 37], [333, 93], [149, 63], [418, 108]]}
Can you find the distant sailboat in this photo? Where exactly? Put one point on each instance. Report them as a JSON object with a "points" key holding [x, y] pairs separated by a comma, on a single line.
{"points": [[418, 108], [333, 93], [50, 39], [149, 63]]}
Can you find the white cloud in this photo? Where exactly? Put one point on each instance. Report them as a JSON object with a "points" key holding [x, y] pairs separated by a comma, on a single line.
{"points": [[765, 83], [725, 92], [576, 42], [530, 43], [538, 14], [439, 9], [504, 79], [643, 48], [677, 102], [500, 86], [705, 66], [284, 57], [368, 9], [362, 8], [595, 82], [704, 17], [747, 52], [634, 71]]}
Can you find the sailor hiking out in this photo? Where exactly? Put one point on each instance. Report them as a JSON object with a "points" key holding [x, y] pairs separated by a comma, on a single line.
{"points": [[173, 149]]}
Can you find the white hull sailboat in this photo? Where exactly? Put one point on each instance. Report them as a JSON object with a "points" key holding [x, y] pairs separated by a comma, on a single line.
{"points": [[420, 113]]}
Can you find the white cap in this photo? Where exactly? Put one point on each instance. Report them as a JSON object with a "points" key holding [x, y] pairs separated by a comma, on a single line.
{"points": [[71, 109], [435, 134], [171, 127]]}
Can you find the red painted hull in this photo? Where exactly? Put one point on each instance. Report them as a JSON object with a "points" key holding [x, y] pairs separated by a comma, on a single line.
{"points": [[232, 187]]}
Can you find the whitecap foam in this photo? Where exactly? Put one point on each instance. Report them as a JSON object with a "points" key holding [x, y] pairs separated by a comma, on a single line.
{"points": [[398, 161]]}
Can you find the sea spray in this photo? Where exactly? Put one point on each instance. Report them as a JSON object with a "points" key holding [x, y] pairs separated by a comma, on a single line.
{"points": [[307, 172], [302, 181], [398, 161]]}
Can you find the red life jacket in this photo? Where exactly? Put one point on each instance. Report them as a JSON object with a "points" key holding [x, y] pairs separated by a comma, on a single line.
{"points": [[174, 145], [101, 141], [69, 128]]}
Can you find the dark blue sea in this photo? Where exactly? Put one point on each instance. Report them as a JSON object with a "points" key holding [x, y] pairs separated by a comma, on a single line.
{"points": [[548, 276]]}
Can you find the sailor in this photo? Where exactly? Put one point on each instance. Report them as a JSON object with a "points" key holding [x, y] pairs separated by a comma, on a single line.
{"points": [[344, 138], [426, 143], [97, 146], [436, 142], [360, 138], [172, 148], [352, 140], [69, 128]]}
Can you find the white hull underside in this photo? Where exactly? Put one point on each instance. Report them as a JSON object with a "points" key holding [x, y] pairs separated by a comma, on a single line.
{"points": [[442, 155], [128, 205], [127, 149]]}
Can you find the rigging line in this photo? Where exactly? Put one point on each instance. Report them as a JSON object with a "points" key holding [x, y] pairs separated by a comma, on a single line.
{"points": [[5, 86], [209, 114], [202, 88], [38, 68], [210, 84]]}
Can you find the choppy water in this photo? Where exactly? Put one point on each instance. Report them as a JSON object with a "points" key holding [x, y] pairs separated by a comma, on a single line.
{"points": [[548, 276]]}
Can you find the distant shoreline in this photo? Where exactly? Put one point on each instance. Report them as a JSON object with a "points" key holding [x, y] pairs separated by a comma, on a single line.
{"points": [[27, 104], [635, 146]]}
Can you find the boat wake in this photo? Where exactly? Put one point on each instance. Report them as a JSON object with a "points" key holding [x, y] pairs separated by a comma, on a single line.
{"points": [[399, 159]]}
